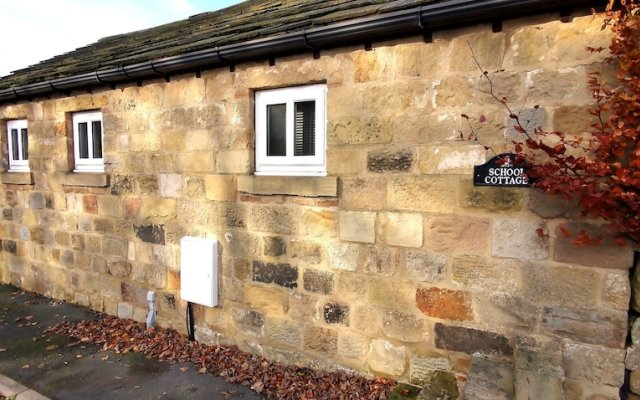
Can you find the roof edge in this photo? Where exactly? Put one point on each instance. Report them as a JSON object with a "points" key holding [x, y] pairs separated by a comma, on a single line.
{"points": [[422, 19]]}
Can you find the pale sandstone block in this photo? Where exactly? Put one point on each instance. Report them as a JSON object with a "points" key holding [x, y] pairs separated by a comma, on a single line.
{"points": [[110, 206], [387, 293], [486, 274], [343, 256], [363, 193], [617, 290], [365, 130], [450, 158], [353, 346], [487, 46], [170, 185], [426, 266], [561, 286], [424, 193], [345, 161], [517, 238], [195, 161], [161, 209], [594, 364], [234, 162], [404, 230], [403, 326], [457, 234], [267, 299], [319, 223], [276, 219], [183, 91], [220, 187], [386, 358], [358, 226]]}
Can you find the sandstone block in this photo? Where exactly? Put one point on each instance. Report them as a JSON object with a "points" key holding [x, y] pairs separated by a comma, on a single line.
{"points": [[232, 215], [487, 46], [471, 341], [271, 300], [363, 193], [390, 160], [345, 161], [507, 311], [353, 346], [517, 238], [276, 219], [319, 223], [170, 185], [274, 246], [457, 234], [489, 379], [560, 286], [402, 326], [593, 327], [489, 198], [552, 86], [450, 158], [617, 291], [248, 322], [486, 274], [365, 130], [603, 255], [548, 206], [321, 340], [422, 367], [594, 364], [37, 200], [307, 252], [220, 187], [125, 310], [425, 193], [234, 162], [444, 304], [390, 293], [402, 229], [317, 281], [530, 119], [302, 306], [358, 226], [380, 260], [426, 266], [285, 332], [351, 286], [344, 256], [386, 358], [280, 274], [156, 208]]}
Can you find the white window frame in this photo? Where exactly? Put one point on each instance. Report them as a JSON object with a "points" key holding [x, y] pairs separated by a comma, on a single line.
{"points": [[19, 164], [90, 164], [290, 164]]}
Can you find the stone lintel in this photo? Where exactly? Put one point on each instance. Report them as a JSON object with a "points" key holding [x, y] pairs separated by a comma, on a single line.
{"points": [[17, 178], [312, 186], [90, 179]]}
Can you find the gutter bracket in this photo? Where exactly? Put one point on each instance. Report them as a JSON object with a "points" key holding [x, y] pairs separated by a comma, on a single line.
{"points": [[224, 61], [98, 78], [427, 35], [307, 44]]}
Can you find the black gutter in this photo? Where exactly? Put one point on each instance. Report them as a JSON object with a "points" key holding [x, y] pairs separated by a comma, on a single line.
{"points": [[426, 18]]}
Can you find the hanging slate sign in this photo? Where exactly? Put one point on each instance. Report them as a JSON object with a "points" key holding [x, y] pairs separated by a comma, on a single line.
{"points": [[501, 171]]}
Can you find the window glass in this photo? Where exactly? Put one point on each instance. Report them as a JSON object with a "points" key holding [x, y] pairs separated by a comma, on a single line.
{"points": [[25, 144], [305, 128], [276, 130], [96, 130]]}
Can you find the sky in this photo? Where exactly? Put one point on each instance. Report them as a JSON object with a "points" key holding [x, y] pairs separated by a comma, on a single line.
{"points": [[35, 30]]}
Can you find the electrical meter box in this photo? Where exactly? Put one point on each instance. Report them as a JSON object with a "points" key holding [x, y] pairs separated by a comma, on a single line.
{"points": [[199, 270]]}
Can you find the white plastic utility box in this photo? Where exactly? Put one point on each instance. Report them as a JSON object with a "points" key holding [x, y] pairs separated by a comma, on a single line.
{"points": [[199, 270]]}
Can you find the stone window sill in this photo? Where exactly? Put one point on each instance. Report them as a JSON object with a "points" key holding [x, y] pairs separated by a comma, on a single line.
{"points": [[309, 186], [17, 178], [88, 179]]}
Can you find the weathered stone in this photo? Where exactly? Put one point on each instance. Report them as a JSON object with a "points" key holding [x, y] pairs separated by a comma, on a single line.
{"points": [[354, 130], [37, 200], [285, 332], [387, 293], [560, 286], [344, 256], [440, 385], [617, 290], [400, 229], [470, 341], [457, 234], [489, 379], [424, 193], [517, 238], [319, 223], [488, 48], [270, 300], [357, 226], [353, 346], [529, 119], [446, 158], [220, 187], [632, 358], [422, 368], [546, 205], [594, 364], [386, 358], [134, 294], [426, 266], [606, 254], [302, 306], [363, 194], [275, 219], [538, 370], [594, 327], [549, 85], [321, 340], [489, 198], [150, 233], [234, 162], [318, 281], [444, 304], [274, 246], [403, 326], [351, 286], [125, 310], [307, 252], [232, 216], [390, 161], [280, 274], [241, 244], [345, 161], [634, 381], [336, 313], [380, 260], [248, 322], [170, 185], [486, 274], [90, 204], [119, 269], [506, 310]]}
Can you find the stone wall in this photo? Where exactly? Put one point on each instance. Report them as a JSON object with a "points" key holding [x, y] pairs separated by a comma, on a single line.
{"points": [[408, 271]]}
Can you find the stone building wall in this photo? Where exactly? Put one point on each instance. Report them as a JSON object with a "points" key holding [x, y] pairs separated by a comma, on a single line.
{"points": [[409, 271]]}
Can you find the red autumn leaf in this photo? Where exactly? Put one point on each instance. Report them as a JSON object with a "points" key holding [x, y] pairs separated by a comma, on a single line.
{"points": [[483, 119], [565, 232]]}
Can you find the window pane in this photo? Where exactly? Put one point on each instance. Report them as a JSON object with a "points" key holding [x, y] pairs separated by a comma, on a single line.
{"points": [[25, 145], [305, 128], [96, 130], [276, 130], [14, 145], [83, 140]]}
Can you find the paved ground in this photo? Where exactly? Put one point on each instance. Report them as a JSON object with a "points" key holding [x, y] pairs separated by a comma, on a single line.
{"points": [[58, 368]]}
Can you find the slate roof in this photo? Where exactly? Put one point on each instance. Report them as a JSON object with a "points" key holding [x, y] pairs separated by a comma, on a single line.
{"points": [[246, 21]]}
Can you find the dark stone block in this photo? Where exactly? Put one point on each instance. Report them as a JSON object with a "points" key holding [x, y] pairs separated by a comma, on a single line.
{"points": [[122, 184], [150, 233], [169, 300], [67, 258], [37, 235], [388, 161], [37, 201], [280, 274], [250, 322], [233, 216], [7, 214], [318, 281], [135, 295], [467, 340], [440, 385], [10, 246], [602, 328], [335, 313], [274, 246]]}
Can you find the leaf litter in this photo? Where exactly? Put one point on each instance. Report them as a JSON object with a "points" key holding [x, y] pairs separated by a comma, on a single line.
{"points": [[268, 378]]}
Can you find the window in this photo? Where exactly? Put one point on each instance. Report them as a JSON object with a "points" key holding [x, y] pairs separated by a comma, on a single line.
{"points": [[290, 131], [87, 142], [18, 145]]}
